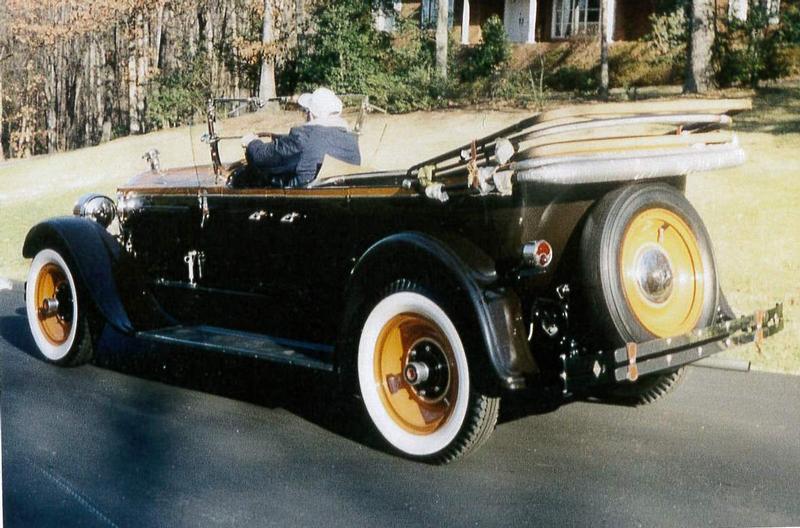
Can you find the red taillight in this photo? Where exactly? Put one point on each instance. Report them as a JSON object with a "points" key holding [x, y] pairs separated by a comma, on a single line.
{"points": [[538, 253]]}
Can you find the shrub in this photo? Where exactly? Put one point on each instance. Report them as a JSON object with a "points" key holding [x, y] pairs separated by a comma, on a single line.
{"points": [[175, 98], [488, 57], [669, 33], [790, 24], [346, 53], [345, 50], [748, 51], [571, 78]]}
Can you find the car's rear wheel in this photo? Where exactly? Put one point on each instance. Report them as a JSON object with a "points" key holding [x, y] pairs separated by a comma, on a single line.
{"points": [[414, 378], [58, 316], [648, 272]]}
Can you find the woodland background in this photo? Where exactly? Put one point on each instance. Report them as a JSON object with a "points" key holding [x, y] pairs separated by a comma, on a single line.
{"points": [[76, 73]]}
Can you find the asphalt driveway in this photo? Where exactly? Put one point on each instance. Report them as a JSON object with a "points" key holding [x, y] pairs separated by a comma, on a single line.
{"points": [[156, 436]]}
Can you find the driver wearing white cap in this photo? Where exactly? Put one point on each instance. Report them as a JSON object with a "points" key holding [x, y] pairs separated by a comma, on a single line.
{"points": [[293, 160]]}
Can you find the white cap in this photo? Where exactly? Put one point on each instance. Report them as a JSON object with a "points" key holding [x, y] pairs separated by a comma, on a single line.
{"points": [[322, 103]]}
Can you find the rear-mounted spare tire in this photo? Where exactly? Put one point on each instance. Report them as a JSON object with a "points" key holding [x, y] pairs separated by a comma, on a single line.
{"points": [[647, 271]]}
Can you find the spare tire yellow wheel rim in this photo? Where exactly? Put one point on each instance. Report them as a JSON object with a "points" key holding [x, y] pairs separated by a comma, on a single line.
{"points": [[662, 272], [53, 299], [415, 368]]}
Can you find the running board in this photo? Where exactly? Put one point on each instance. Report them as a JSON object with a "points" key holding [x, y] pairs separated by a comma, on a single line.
{"points": [[244, 344]]}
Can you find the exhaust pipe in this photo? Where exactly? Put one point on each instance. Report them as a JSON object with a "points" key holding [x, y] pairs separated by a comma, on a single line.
{"points": [[739, 365]]}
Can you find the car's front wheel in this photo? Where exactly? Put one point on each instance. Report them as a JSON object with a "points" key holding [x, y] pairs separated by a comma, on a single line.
{"points": [[59, 318], [414, 378]]}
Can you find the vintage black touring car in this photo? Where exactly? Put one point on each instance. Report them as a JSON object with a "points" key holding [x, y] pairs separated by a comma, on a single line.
{"points": [[558, 254]]}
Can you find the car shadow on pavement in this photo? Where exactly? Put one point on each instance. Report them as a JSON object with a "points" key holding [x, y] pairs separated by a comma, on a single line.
{"points": [[14, 329], [312, 396], [268, 385]]}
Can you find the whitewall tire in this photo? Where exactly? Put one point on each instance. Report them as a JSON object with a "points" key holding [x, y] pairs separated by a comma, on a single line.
{"points": [[57, 317], [415, 382]]}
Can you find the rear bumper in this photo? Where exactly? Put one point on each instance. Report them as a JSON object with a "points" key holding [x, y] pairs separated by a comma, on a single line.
{"points": [[662, 355], [627, 364]]}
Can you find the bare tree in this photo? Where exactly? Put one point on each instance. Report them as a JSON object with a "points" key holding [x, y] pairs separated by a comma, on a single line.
{"points": [[442, 22], [266, 85], [699, 75], [604, 16], [2, 154], [2, 94]]}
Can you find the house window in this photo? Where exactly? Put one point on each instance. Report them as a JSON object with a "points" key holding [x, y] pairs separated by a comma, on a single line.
{"points": [[575, 17], [429, 13]]}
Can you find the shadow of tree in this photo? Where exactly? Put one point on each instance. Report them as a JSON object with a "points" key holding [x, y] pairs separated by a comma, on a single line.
{"points": [[776, 110]]}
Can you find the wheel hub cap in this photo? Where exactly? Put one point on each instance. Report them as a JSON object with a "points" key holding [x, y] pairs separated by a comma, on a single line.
{"points": [[53, 296], [427, 370], [414, 366], [654, 274], [662, 272]]}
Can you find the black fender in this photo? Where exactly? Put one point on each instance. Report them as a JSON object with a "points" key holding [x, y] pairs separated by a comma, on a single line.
{"points": [[93, 252], [504, 360]]}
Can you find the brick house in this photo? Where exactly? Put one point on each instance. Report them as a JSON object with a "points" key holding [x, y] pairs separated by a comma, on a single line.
{"points": [[530, 21]]}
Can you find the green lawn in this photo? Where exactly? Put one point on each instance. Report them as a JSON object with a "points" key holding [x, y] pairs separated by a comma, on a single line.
{"points": [[752, 212]]}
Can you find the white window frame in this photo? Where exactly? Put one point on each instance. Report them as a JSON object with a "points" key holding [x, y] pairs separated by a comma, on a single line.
{"points": [[573, 13]]}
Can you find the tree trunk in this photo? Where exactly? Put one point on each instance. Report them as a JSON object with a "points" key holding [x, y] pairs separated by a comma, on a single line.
{"points": [[300, 15], [167, 59], [99, 89], [266, 85], [234, 25], [50, 93], [142, 52], [698, 64], [25, 141], [442, 19], [108, 98], [604, 49], [134, 127], [156, 59], [61, 96], [2, 152], [205, 23], [111, 94]]}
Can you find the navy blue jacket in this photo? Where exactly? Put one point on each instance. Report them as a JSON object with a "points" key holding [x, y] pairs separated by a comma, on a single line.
{"points": [[293, 160]]}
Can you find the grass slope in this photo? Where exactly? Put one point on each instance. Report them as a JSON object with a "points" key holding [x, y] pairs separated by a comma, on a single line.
{"points": [[751, 211]]}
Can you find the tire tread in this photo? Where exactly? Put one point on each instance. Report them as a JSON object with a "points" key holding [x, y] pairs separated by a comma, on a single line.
{"points": [[647, 391]]}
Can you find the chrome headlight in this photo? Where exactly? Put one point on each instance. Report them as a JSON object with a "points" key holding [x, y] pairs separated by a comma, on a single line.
{"points": [[127, 205], [99, 208]]}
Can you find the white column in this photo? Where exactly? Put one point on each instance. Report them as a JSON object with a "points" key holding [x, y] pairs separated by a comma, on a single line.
{"points": [[611, 17], [738, 9], [465, 23], [532, 22]]}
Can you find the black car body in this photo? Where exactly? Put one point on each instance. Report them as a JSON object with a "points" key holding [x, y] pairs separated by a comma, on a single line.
{"points": [[571, 264]]}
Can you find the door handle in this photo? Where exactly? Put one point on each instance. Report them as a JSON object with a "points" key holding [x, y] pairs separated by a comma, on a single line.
{"points": [[289, 218], [258, 215]]}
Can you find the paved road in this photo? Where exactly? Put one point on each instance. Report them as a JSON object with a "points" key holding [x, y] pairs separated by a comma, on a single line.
{"points": [[163, 437]]}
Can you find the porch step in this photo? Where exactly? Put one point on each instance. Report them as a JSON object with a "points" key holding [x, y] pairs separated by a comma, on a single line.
{"points": [[244, 344]]}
